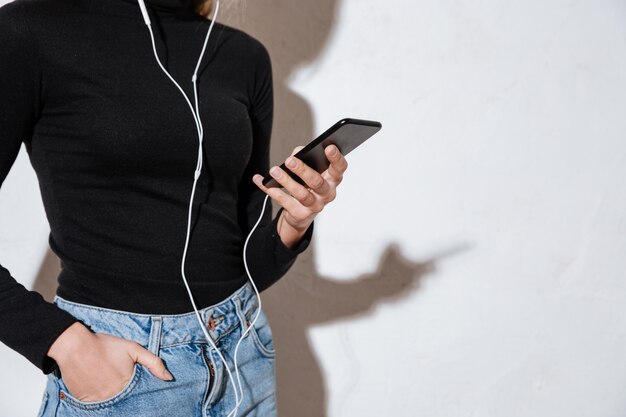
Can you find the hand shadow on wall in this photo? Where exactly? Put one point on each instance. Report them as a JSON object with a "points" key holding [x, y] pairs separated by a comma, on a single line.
{"points": [[303, 299]]}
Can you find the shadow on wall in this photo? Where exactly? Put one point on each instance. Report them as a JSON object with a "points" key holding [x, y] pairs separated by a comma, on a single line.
{"points": [[304, 299], [295, 33]]}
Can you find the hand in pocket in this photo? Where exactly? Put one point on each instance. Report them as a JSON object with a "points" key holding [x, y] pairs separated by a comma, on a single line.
{"points": [[96, 366]]}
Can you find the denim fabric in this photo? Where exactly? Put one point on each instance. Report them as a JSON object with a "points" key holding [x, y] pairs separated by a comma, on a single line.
{"points": [[201, 386]]}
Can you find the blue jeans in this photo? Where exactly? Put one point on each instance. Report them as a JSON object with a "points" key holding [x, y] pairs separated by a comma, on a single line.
{"points": [[201, 386]]}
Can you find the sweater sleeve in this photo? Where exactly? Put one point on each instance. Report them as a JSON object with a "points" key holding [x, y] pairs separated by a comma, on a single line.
{"points": [[28, 324], [267, 256]]}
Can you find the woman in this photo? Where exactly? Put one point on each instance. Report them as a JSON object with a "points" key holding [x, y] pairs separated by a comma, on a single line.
{"points": [[113, 144]]}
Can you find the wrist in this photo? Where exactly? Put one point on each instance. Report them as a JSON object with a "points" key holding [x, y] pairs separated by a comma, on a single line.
{"points": [[289, 234], [70, 341]]}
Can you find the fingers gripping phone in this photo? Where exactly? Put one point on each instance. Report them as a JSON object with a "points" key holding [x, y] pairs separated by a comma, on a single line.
{"points": [[346, 134]]}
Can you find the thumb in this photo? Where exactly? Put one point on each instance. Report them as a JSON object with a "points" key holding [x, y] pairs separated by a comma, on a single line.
{"points": [[297, 149], [151, 361]]}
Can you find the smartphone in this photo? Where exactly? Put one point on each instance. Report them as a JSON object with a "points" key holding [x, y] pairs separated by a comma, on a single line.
{"points": [[346, 134]]}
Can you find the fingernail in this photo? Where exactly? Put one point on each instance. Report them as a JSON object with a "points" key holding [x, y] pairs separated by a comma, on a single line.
{"points": [[333, 150], [291, 162], [167, 375], [276, 172]]}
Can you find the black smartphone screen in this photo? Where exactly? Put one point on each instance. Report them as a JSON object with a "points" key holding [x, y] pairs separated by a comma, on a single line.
{"points": [[346, 134]]}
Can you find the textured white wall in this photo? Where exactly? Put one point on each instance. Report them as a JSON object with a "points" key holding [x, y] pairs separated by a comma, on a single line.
{"points": [[473, 263]]}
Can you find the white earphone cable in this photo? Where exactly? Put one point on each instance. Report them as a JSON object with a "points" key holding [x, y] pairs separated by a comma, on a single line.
{"points": [[199, 127]]}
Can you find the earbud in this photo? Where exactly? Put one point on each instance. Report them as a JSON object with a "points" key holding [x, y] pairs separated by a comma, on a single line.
{"points": [[196, 115], [144, 12]]}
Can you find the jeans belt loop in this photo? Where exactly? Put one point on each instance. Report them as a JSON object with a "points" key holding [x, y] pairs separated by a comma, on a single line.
{"points": [[155, 335]]}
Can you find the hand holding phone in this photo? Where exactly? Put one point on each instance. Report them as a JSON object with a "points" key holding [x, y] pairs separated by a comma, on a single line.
{"points": [[347, 134]]}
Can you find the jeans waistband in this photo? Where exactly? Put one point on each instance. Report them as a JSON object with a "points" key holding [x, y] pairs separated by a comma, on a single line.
{"points": [[220, 319]]}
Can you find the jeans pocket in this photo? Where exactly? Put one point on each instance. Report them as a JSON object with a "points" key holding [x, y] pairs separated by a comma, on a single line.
{"points": [[261, 334], [72, 401]]}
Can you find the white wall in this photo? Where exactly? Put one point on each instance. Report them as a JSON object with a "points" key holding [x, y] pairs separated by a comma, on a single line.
{"points": [[473, 263]]}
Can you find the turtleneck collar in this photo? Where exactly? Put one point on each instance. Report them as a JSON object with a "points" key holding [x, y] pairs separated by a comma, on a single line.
{"points": [[169, 6], [176, 8]]}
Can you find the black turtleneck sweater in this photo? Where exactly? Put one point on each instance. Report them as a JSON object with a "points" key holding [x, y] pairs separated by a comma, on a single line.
{"points": [[114, 147]]}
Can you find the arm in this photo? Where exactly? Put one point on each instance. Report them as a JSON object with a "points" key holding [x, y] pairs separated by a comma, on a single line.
{"points": [[28, 324], [274, 245], [94, 366]]}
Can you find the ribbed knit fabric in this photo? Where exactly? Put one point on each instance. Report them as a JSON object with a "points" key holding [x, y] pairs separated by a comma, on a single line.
{"points": [[114, 147]]}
